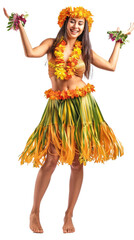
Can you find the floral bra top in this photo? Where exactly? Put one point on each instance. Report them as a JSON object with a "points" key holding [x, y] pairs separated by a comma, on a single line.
{"points": [[79, 68]]}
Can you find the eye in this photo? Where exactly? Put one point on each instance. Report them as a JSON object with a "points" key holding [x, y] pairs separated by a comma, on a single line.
{"points": [[72, 21]]}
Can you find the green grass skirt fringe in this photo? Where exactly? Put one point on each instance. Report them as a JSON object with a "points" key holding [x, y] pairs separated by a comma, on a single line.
{"points": [[73, 126]]}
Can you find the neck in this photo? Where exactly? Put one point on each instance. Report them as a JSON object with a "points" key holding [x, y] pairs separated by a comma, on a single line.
{"points": [[71, 42]]}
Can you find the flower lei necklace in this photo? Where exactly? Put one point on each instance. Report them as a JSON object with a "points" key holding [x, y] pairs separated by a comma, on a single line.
{"points": [[66, 70]]}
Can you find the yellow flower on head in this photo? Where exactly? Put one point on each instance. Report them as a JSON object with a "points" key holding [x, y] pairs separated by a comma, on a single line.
{"points": [[79, 12]]}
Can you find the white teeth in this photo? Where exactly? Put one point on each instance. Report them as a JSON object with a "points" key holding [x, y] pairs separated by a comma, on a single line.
{"points": [[74, 31]]}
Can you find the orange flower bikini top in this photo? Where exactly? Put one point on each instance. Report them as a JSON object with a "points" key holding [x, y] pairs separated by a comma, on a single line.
{"points": [[74, 65], [79, 68]]}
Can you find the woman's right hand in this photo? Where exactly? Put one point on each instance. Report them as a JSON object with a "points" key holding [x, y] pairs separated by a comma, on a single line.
{"points": [[5, 12]]}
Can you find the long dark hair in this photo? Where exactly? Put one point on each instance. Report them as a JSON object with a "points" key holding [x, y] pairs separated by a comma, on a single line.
{"points": [[86, 45]]}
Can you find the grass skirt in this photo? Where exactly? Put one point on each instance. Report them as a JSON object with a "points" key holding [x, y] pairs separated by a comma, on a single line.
{"points": [[74, 126]]}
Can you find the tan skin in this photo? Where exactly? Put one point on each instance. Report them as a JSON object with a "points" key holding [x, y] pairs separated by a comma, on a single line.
{"points": [[45, 172]]}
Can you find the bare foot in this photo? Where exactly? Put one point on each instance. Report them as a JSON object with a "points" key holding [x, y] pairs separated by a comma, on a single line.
{"points": [[35, 225], [68, 226]]}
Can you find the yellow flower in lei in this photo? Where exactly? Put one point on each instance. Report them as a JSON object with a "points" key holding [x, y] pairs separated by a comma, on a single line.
{"points": [[60, 73], [77, 12], [58, 54], [62, 70]]}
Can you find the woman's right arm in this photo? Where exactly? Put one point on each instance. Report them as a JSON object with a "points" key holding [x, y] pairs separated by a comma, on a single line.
{"points": [[38, 51]]}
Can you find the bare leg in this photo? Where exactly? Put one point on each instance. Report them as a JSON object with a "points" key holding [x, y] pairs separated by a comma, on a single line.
{"points": [[76, 179], [42, 182]]}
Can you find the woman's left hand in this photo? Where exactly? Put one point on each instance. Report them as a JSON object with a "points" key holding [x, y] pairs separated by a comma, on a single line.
{"points": [[127, 32]]}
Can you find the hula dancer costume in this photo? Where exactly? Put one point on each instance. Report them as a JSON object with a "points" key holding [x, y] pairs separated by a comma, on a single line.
{"points": [[72, 120]]}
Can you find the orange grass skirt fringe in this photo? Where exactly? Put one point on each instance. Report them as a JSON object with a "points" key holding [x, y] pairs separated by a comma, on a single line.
{"points": [[73, 123]]}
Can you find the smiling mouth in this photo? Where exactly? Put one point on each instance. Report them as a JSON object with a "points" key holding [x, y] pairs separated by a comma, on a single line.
{"points": [[74, 31]]}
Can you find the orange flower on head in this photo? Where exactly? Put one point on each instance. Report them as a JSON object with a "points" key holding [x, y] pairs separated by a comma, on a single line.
{"points": [[79, 12]]}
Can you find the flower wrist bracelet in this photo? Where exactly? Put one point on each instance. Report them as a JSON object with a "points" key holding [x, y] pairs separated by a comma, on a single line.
{"points": [[14, 21], [118, 36]]}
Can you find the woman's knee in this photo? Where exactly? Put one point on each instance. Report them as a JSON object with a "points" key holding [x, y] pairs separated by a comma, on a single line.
{"points": [[76, 165], [52, 158], [51, 161]]}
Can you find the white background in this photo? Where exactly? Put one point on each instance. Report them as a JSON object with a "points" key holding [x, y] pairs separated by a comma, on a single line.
{"points": [[105, 208]]}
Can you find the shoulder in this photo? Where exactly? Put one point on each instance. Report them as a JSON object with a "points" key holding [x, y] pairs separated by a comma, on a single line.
{"points": [[48, 41]]}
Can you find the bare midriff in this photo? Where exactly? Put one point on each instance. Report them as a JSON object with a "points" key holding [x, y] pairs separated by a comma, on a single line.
{"points": [[72, 83], [58, 84]]}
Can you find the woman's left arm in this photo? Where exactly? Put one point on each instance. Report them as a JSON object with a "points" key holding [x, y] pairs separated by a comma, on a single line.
{"points": [[109, 65]]}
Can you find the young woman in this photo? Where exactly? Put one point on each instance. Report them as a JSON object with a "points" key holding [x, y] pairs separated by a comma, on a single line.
{"points": [[72, 129]]}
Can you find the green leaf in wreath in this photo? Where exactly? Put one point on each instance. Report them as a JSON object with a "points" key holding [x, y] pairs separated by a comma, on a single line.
{"points": [[26, 15], [9, 25]]}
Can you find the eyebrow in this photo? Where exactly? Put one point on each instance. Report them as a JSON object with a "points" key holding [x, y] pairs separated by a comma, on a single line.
{"points": [[79, 20]]}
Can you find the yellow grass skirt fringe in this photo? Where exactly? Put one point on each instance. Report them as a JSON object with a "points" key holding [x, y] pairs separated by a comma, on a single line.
{"points": [[74, 126]]}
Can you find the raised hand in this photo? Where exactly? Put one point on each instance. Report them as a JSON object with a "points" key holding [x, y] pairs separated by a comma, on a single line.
{"points": [[118, 29], [5, 12], [127, 32]]}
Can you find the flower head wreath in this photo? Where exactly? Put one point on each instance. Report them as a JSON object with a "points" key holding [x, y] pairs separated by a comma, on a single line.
{"points": [[78, 12]]}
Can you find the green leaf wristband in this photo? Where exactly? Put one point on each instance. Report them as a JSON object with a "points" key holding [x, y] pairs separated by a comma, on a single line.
{"points": [[118, 36], [14, 21]]}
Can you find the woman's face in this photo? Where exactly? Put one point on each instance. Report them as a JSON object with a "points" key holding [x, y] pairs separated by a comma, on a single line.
{"points": [[75, 27]]}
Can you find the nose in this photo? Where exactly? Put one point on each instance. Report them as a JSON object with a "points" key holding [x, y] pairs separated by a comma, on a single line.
{"points": [[76, 25]]}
